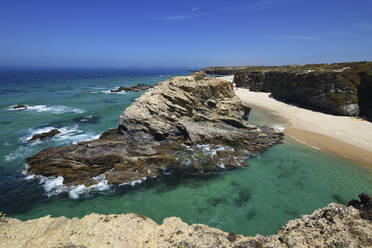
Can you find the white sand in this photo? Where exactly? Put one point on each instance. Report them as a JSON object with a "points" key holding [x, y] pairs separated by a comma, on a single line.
{"points": [[348, 137]]}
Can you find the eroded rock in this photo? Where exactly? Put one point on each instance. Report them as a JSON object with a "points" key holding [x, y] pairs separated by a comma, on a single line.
{"points": [[333, 226], [192, 125]]}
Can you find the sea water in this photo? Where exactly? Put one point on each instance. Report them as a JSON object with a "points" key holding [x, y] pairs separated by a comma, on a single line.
{"points": [[280, 184]]}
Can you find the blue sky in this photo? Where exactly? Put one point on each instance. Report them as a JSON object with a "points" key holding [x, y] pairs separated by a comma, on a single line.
{"points": [[183, 33]]}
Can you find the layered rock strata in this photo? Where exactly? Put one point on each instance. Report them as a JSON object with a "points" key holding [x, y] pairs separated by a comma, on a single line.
{"points": [[328, 92], [192, 125], [333, 226]]}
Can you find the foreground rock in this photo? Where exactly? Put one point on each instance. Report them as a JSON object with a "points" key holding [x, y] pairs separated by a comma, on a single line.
{"points": [[333, 226], [45, 135], [138, 87], [192, 125]]}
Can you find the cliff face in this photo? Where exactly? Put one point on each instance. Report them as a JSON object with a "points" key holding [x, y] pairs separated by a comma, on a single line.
{"points": [[191, 124], [339, 88], [328, 92], [333, 226], [365, 96]]}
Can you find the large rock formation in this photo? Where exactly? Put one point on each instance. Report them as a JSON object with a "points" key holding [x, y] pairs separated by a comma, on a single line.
{"points": [[191, 124], [332, 226], [328, 92]]}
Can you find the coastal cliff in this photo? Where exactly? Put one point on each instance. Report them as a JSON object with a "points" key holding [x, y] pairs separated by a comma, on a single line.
{"points": [[339, 89], [192, 125], [333, 226]]}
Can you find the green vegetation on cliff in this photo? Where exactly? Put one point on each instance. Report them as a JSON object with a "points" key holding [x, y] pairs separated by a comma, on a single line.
{"points": [[353, 67]]}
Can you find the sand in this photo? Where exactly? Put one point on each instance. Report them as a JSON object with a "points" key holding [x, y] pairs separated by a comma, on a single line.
{"points": [[348, 137]]}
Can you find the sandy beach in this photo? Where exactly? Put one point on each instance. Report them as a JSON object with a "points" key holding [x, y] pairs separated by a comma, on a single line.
{"points": [[347, 137]]}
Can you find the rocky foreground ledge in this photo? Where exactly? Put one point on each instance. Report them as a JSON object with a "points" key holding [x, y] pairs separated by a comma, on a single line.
{"points": [[192, 125], [333, 226]]}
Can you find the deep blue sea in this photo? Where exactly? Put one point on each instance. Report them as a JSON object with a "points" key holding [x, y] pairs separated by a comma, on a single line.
{"points": [[282, 183]]}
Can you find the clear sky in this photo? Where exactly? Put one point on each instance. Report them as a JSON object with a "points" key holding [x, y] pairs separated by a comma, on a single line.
{"points": [[183, 33]]}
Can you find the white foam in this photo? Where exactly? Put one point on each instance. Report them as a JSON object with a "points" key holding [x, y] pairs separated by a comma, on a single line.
{"points": [[67, 135], [108, 91], [303, 142], [55, 186], [52, 109], [135, 182], [20, 153], [278, 127]]}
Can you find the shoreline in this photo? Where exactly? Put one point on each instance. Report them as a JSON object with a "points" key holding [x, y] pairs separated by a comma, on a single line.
{"points": [[343, 136]]}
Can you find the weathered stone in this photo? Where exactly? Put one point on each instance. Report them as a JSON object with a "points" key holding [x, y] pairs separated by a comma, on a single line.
{"points": [[182, 124], [333, 226], [45, 135]]}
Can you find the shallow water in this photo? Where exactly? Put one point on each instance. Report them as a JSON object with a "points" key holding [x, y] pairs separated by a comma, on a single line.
{"points": [[286, 181]]}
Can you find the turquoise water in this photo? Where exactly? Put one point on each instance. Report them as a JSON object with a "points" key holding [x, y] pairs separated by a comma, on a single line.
{"points": [[286, 181]]}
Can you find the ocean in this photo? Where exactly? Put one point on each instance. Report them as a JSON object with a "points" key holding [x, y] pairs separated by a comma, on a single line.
{"points": [[280, 184]]}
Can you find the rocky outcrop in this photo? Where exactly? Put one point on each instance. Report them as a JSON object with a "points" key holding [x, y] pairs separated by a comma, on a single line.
{"points": [[192, 125], [333, 226], [328, 92], [138, 87], [365, 96], [45, 135]]}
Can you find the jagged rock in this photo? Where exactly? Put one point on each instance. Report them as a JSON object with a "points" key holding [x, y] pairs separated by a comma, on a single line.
{"points": [[20, 106], [364, 205], [192, 125], [138, 87], [45, 135], [332, 226]]}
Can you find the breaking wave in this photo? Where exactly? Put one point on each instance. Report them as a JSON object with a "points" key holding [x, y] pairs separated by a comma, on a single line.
{"points": [[50, 109]]}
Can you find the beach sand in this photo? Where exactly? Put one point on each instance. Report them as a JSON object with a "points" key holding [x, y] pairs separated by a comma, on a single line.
{"points": [[348, 137]]}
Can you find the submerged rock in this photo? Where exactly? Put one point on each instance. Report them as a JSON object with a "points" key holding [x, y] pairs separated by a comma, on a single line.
{"points": [[91, 119], [364, 205], [192, 125], [332, 226], [45, 135], [138, 87]]}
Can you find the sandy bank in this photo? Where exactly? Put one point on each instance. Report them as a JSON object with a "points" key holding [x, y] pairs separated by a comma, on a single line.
{"points": [[347, 137], [333, 226]]}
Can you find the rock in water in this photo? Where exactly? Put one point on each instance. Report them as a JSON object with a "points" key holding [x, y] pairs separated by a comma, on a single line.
{"points": [[138, 87], [364, 205], [20, 107], [192, 124], [45, 135]]}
